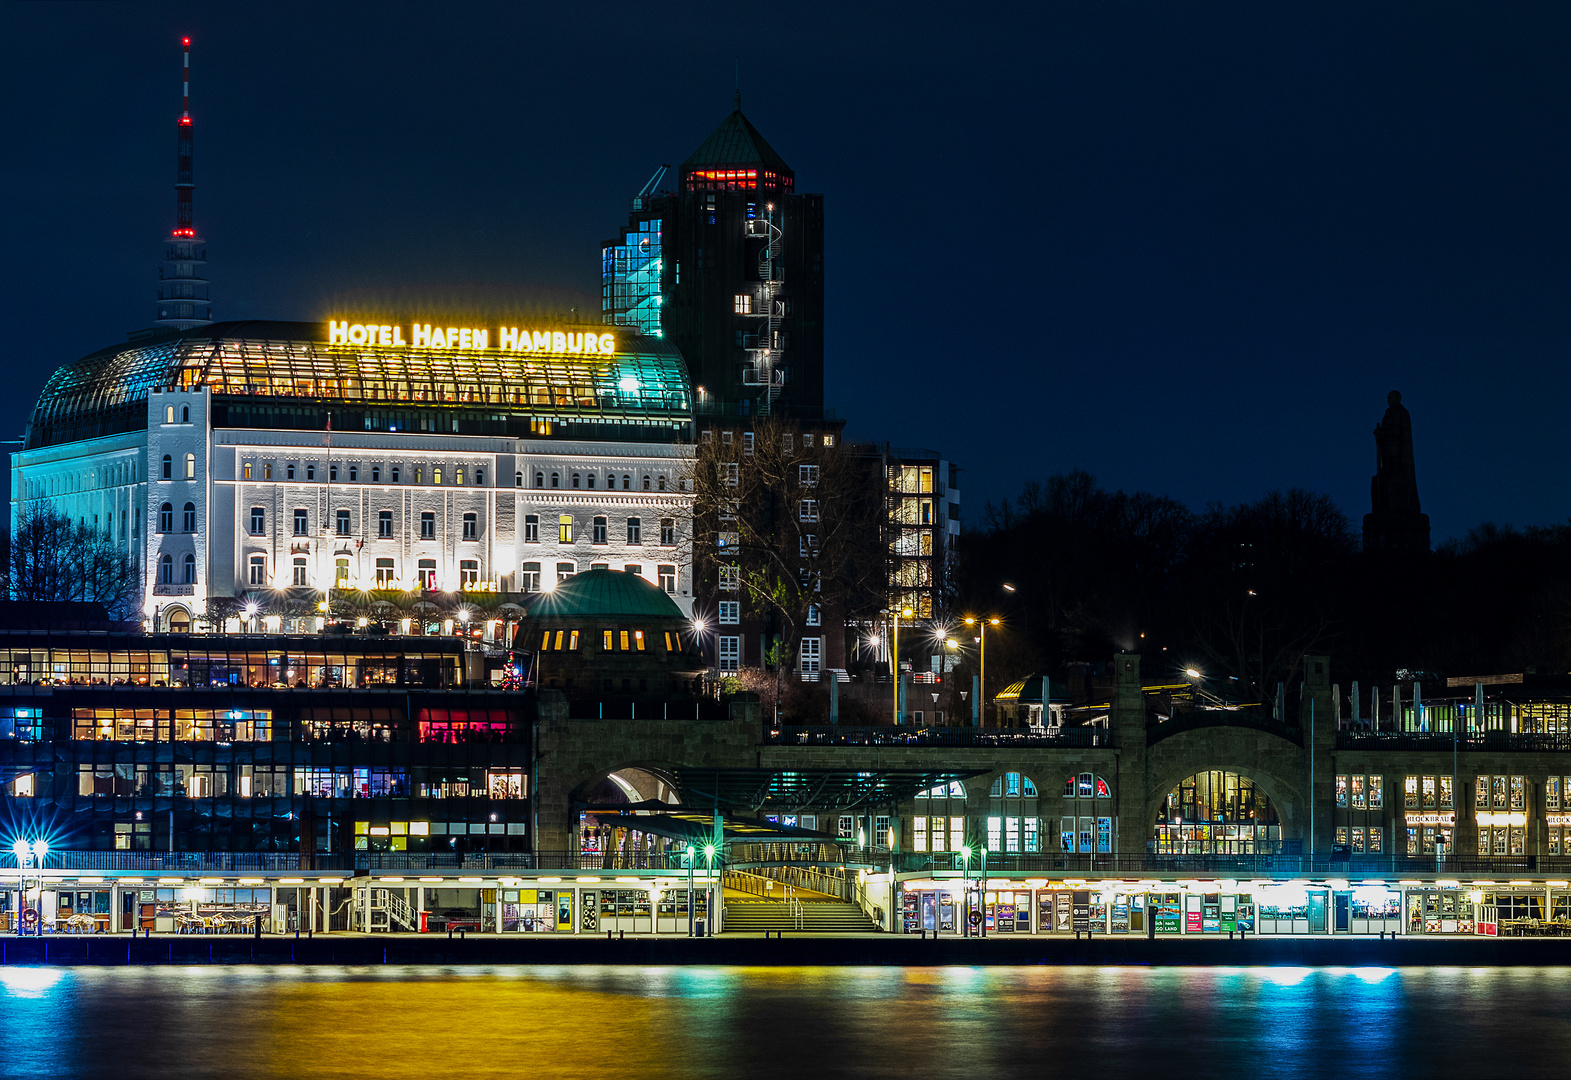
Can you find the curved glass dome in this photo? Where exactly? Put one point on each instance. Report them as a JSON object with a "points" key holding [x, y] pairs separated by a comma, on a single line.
{"points": [[645, 379]]}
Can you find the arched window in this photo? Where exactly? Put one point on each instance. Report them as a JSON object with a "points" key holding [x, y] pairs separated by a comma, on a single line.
{"points": [[190, 466], [188, 519], [185, 414], [169, 414], [662, 483], [539, 479], [1217, 812], [646, 483], [575, 480], [627, 482], [376, 474], [169, 464], [1086, 786], [479, 478], [939, 821], [556, 480], [590, 480], [1013, 824], [188, 576], [518, 479], [166, 570], [166, 518]]}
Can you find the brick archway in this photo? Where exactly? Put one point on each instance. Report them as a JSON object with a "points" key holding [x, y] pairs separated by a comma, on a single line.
{"points": [[1275, 765]]}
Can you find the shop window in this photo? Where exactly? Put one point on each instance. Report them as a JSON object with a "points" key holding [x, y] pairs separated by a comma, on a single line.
{"points": [[1217, 812]]}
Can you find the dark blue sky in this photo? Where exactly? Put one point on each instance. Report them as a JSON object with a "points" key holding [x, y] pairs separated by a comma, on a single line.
{"points": [[1186, 247]]}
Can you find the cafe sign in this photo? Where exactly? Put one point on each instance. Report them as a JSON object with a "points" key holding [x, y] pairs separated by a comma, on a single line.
{"points": [[1431, 819]]}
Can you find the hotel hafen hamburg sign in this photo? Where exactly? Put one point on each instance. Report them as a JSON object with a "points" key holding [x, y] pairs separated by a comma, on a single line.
{"points": [[471, 338]]}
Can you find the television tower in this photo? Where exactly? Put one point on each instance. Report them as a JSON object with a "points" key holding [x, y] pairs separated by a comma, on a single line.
{"points": [[182, 281]]}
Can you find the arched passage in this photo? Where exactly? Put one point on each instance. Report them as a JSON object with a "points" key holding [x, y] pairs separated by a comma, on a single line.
{"points": [[1217, 812], [625, 786]]}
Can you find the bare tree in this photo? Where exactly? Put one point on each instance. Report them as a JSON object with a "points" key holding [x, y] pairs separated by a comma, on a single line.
{"points": [[789, 524], [53, 558]]}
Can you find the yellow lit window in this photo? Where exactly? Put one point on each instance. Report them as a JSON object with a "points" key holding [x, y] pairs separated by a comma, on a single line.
{"points": [[559, 641], [564, 525], [606, 642], [458, 477], [638, 639], [572, 641], [247, 470], [436, 475], [622, 634], [545, 642]]}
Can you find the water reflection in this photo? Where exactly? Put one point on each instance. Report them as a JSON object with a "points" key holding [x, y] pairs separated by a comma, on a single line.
{"points": [[726, 1022]]}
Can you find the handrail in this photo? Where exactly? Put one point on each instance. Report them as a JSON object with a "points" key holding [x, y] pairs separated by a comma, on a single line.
{"points": [[947, 737]]}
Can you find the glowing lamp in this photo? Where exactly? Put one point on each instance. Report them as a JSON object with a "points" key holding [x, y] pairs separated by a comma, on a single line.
{"points": [[22, 849]]}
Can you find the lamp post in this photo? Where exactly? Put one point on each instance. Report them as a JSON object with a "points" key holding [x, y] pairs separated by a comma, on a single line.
{"points": [[894, 652], [709, 905], [690, 861], [981, 623], [27, 853], [965, 876]]}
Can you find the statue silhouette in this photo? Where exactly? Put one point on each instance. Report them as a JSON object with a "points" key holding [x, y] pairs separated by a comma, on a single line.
{"points": [[1395, 523]]}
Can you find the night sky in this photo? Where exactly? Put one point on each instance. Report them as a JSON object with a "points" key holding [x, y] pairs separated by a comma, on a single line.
{"points": [[1185, 247]]}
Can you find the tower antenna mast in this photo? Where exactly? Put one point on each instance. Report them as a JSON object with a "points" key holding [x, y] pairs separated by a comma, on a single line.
{"points": [[183, 302]]}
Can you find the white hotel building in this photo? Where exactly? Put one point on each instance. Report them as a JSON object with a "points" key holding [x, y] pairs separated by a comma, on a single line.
{"points": [[257, 460]]}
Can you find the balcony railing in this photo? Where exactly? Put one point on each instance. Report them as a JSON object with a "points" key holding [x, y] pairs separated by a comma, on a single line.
{"points": [[978, 738], [1354, 868], [1443, 741]]}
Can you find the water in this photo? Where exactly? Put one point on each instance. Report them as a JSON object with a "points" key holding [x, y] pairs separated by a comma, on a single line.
{"points": [[588, 1022]]}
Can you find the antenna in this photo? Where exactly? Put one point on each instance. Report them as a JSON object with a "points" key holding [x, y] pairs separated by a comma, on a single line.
{"points": [[182, 292]]}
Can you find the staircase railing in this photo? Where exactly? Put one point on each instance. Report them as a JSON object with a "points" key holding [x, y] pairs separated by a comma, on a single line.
{"points": [[395, 907], [794, 907]]}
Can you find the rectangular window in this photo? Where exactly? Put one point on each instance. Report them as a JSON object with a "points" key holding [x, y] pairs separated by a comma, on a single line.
{"points": [[668, 578], [258, 521], [384, 573], [1356, 792], [267, 471], [1481, 793], [668, 532], [599, 536], [634, 569], [742, 304], [564, 528], [881, 830], [342, 519], [302, 523], [1447, 798], [300, 572], [384, 523], [1518, 793], [565, 570], [730, 652], [812, 648], [1374, 787], [635, 530], [995, 830], [807, 475], [730, 612], [919, 834], [731, 474], [531, 577], [747, 443], [1341, 790], [468, 573], [730, 578], [807, 510], [531, 528], [428, 525], [425, 572], [258, 574], [471, 527], [341, 573]]}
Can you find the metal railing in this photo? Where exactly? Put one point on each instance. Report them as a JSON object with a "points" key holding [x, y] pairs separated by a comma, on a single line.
{"points": [[1355, 866], [949, 737], [1210, 718], [1443, 741], [195, 862]]}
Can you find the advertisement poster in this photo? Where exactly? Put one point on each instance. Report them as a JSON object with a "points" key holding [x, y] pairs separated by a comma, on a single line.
{"points": [[1192, 917], [1165, 910], [1082, 911]]}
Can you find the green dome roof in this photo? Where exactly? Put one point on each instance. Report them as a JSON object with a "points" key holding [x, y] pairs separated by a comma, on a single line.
{"points": [[605, 594]]}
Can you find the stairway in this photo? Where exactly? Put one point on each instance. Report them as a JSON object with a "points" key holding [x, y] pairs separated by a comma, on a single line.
{"points": [[817, 917]]}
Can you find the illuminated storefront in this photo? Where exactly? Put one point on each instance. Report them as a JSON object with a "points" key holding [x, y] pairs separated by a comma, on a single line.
{"points": [[1215, 813]]}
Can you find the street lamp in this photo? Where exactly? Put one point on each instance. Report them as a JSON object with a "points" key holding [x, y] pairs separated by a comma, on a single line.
{"points": [[691, 860], [894, 652], [709, 904], [26, 853], [981, 623]]}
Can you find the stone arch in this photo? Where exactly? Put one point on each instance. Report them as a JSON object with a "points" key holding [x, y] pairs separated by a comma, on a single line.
{"points": [[630, 783], [1275, 765]]}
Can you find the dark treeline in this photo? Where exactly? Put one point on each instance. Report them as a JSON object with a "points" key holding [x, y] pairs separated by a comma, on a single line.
{"points": [[1243, 592]]}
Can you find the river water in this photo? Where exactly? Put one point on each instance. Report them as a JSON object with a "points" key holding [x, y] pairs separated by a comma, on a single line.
{"points": [[912, 1023]]}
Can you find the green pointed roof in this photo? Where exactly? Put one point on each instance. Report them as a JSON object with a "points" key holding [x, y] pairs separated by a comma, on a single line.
{"points": [[605, 594], [736, 142]]}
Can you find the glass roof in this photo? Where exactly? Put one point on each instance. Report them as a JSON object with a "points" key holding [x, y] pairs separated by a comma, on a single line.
{"points": [[645, 378]]}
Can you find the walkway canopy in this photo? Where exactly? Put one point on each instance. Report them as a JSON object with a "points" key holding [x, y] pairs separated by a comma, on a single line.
{"points": [[808, 790]]}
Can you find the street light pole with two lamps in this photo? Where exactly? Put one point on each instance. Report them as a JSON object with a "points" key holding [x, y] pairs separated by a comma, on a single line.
{"points": [[25, 853], [981, 623]]}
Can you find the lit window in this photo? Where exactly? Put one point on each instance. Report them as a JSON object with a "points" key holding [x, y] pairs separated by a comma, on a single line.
{"points": [[742, 304], [564, 528]]}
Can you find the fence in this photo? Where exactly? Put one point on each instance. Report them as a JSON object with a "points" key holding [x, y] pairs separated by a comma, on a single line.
{"points": [[889, 735]]}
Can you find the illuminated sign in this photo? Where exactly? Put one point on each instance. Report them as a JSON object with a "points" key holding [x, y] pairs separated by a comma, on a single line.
{"points": [[470, 338], [1557, 819], [1486, 818], [1431, 819]]}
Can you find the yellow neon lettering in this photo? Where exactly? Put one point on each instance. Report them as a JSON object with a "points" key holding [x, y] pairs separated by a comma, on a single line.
{"points": [[338, 332], [558, 341], [398, 335], [357, 334], [591, 343], [507, 337], [607, 344], [466, 338], [482, 339], [422, 335], [575, 343], [542, 342], [438, 339], [452, 337], [384, 335]]}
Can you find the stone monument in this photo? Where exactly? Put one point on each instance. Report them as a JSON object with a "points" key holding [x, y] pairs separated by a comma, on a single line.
{"points": [[1395, 524]]}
